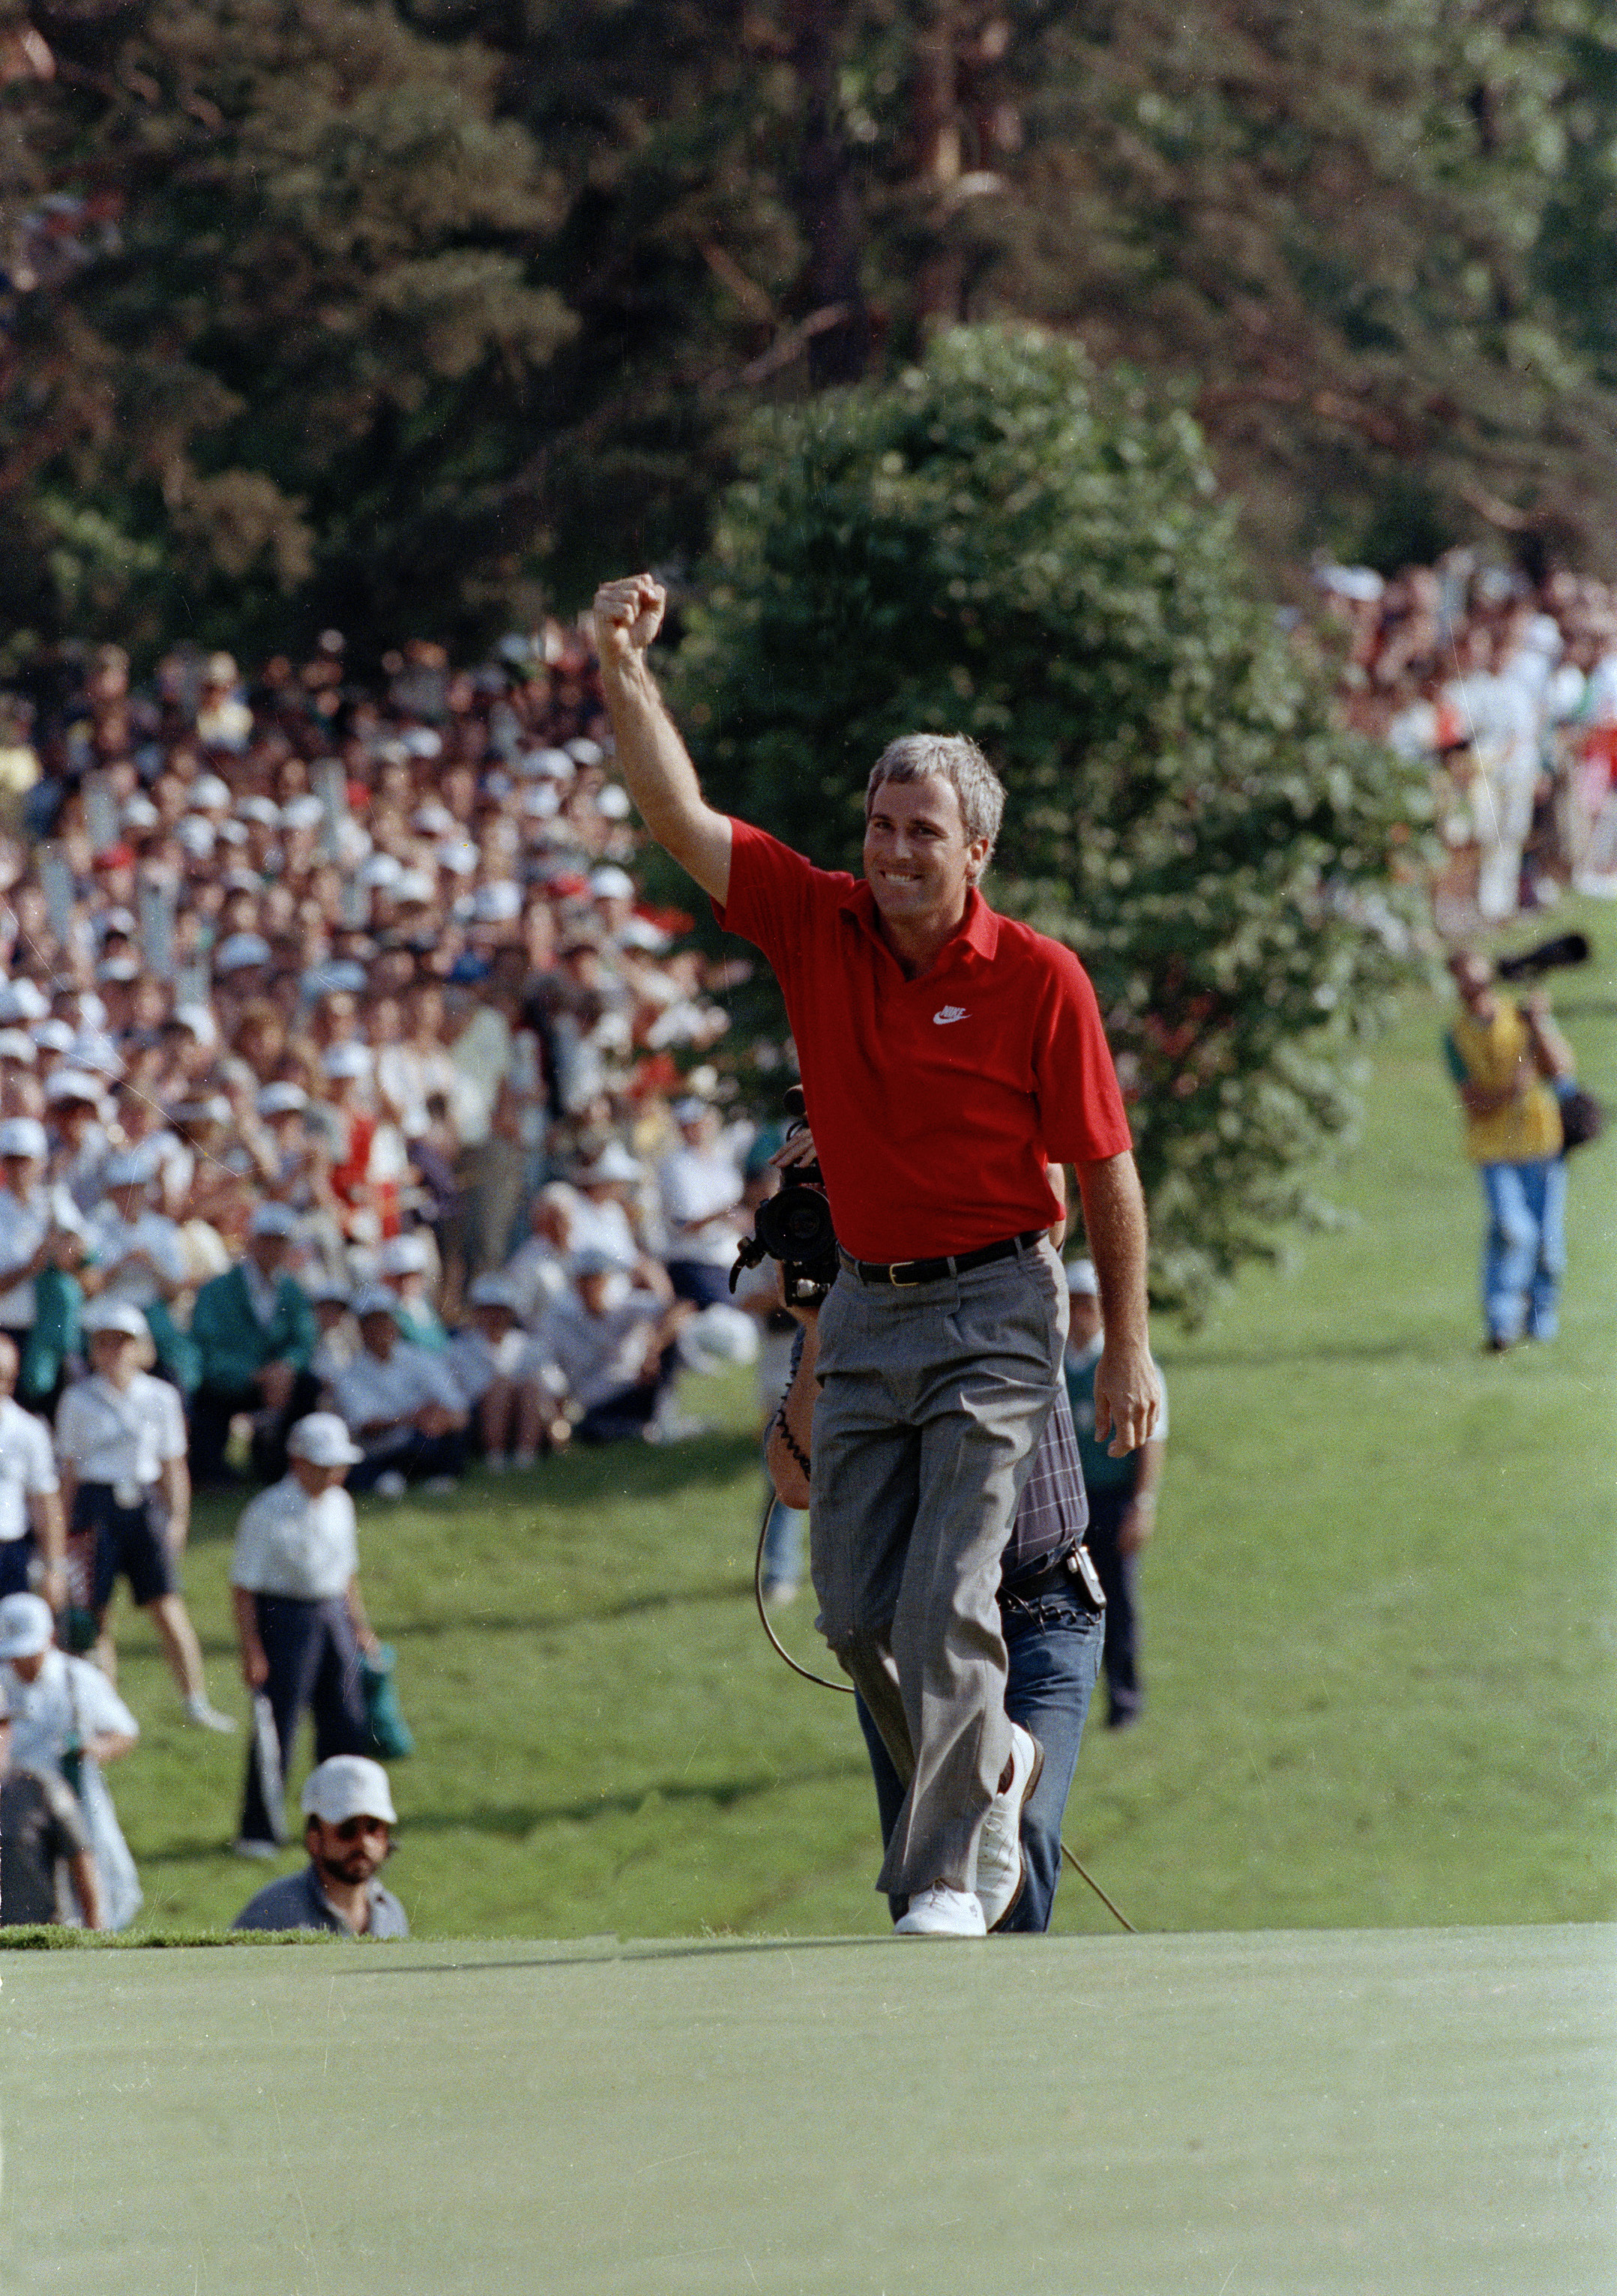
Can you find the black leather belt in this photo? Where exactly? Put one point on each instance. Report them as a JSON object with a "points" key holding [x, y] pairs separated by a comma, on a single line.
{"points": [[903, 1273]]}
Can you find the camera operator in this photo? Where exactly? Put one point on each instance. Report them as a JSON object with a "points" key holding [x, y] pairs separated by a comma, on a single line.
{"points": [[951, 1056]]}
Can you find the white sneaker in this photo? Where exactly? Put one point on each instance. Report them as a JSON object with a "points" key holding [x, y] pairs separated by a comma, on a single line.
{"points": [[250, 1847], [942, 1912], [497, 1463], [441, 1487], [391, 1485], [999, 1868], [524, 1461], [209, 1717]]}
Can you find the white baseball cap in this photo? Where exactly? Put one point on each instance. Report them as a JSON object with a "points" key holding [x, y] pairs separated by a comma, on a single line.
{"points": [[493, 1291], [26, 1625], [116, 1316], [24, 1135], [17, 1044], [1082, 1282], [403, 1254], [348, 1060], [272, 1219], [345, 1786], [282, 1099], [373, 1300], [323, 1441]]}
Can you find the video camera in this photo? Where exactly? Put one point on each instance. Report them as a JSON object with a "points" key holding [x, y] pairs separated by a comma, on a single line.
{"points": [[794, 1227]]}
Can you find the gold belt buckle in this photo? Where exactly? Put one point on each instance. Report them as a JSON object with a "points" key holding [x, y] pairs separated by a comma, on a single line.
{"points": [[902, 1283]]}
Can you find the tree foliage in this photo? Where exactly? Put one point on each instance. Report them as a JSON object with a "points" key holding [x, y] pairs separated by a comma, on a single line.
{"points": [[298, 357], [1002, 545], [379, 310]]}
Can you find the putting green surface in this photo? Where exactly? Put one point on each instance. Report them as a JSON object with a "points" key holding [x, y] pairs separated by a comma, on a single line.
{"points": [[1263, 2114]]}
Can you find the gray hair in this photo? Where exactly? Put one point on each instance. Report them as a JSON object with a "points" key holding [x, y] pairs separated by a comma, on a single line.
{"points": [[954, 759]]}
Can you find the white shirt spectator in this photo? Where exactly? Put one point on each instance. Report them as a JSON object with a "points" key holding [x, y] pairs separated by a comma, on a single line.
{"points": [[598, 1356], [290, 1544], [412, 1377], [27, 1466], [700, 1188], [23, 1227], [475, 1362], [538, 1275], [113, 1238], [601, 1225], [121, 1438], [68, 1700]]}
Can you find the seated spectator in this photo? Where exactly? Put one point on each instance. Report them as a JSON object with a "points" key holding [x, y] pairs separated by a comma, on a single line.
{"points": [[120, 1439], [33, 1539], [294, 1578], [403, 1267], [348, 1832], [66, 1720], [537, 1270], [401, 1406], [255, 1335], [614, 1349], [136, 1255], [43, 1845], [504, 1379], [339, 1340], [602, 1221], [701, 1190]]}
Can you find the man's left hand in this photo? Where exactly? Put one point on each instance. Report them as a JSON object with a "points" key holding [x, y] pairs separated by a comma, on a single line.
{"points": [[1127, 1398]]}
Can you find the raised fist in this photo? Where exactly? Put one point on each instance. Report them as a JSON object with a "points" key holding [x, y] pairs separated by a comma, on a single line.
{"points": [[628, 615]]}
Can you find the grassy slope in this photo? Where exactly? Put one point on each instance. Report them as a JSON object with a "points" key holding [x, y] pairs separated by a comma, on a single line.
{"points": [[1379, 1613]]}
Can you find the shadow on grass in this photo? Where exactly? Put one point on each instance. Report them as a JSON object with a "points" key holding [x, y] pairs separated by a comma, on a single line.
{"points": [[514, 1821], [621, 1471], [623, 1606], [642, 1949]]}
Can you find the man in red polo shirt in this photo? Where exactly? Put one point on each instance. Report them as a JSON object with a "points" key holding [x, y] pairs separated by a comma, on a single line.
{"points": [[950, 1057]]}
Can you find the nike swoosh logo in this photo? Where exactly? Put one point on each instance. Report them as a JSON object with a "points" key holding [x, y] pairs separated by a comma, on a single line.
{"points": [[950, 1012]]}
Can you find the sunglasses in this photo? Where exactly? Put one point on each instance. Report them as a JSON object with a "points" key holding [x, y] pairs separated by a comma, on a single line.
{"points": [[355, 1829]]}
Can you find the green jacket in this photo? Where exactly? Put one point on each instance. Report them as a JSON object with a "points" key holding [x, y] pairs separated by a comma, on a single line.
{"points": [[232, 1343]]}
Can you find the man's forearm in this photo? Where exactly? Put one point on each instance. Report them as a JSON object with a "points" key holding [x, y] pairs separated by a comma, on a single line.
{"points": [[1115, 1221], [653, 760], [652, 757]]}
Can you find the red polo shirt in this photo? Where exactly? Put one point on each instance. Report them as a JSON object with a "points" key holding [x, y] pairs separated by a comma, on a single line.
{"points": [[936, 1103]]}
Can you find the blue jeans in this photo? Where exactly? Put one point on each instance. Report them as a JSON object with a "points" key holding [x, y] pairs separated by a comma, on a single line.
{"points": [[1524, 1249], [1054, 1659], [784, 1544]]}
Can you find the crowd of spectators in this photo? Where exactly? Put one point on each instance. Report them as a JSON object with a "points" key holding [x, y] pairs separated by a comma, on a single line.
{"points": [[343, 1068], [1507, 688]]}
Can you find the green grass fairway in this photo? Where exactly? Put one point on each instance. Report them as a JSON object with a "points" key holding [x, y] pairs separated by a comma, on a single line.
{"points": [[1379, 1616], [1416, 2114]]}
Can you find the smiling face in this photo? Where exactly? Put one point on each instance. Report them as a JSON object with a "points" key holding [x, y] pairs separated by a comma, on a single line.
{"points": [[919, 863]]}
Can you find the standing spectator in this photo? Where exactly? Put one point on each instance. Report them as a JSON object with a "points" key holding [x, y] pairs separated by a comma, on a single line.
{"points": [[401, 1404], [1122, 1499], [294, 1577], [120, 1437], [43, 1841], [255, 1336], [348, 1832], [701, 1190], [67, 1720], [32, 1532], [138, 1255], [1506, 1060], [42, 1247]]}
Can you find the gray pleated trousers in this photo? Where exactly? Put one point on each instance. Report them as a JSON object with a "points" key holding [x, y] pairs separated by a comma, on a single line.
{"points": [[931, 1404]]}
